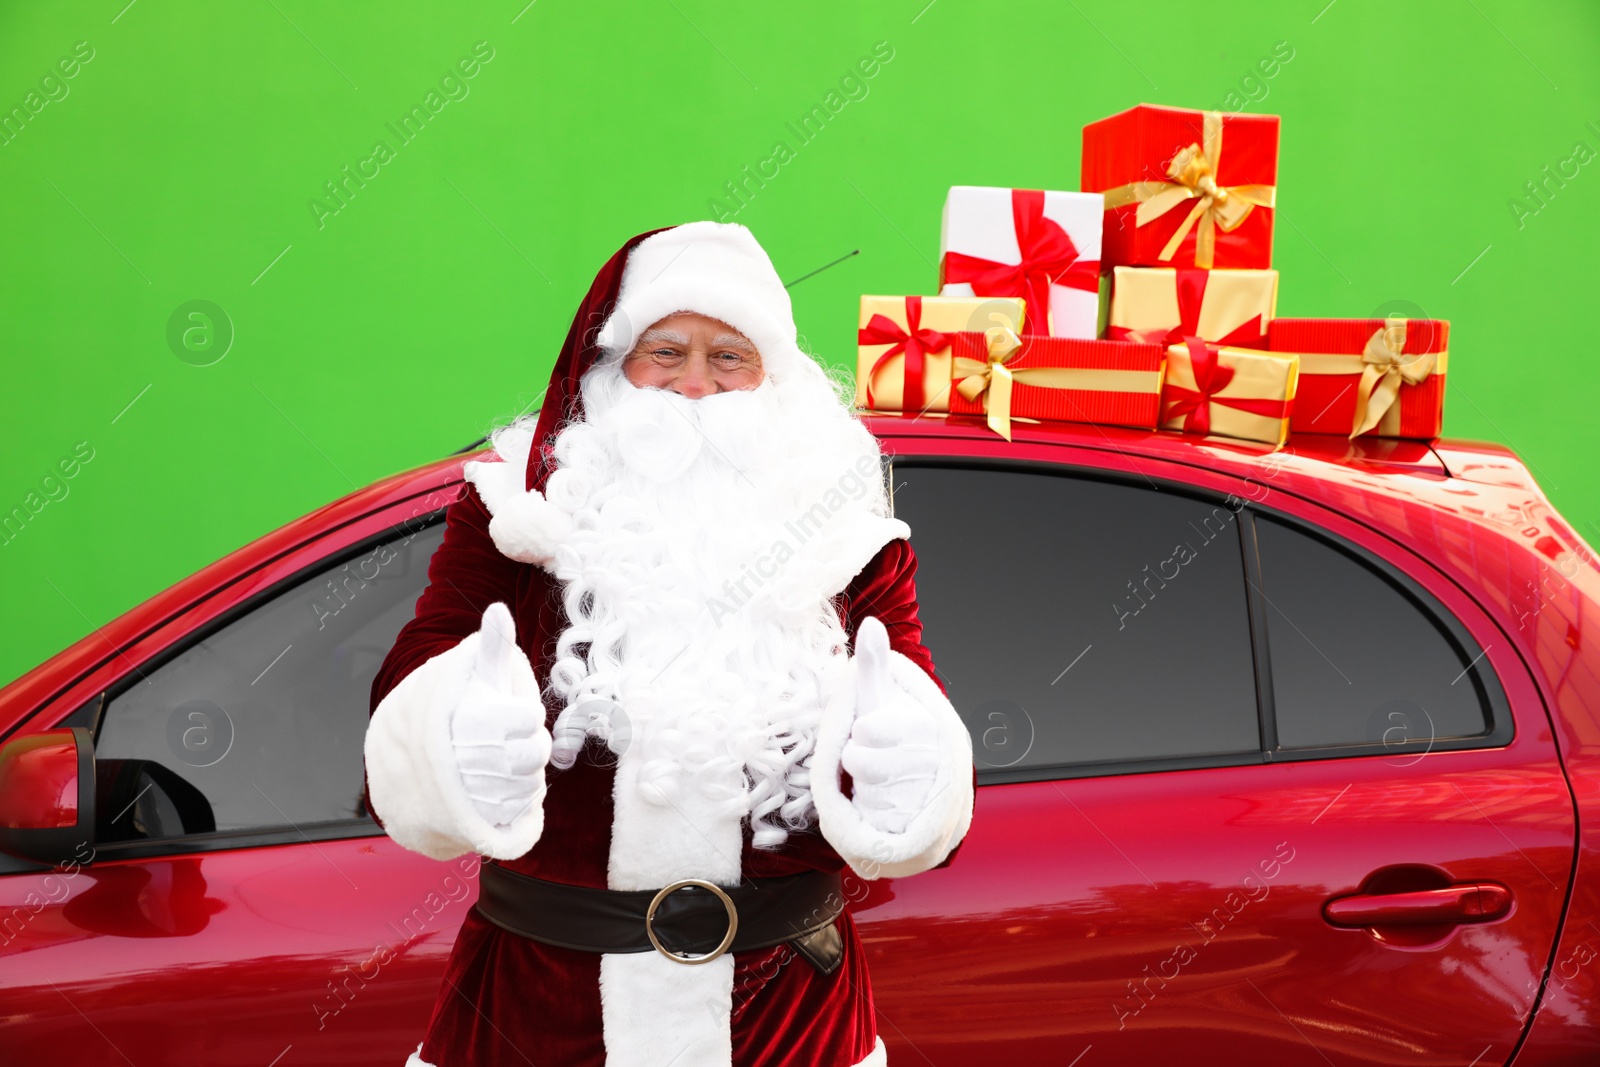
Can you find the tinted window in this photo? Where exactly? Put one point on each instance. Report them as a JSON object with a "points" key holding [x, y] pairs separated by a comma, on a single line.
{"points": [[1077, 621], [265, 717], [1354, 658]]}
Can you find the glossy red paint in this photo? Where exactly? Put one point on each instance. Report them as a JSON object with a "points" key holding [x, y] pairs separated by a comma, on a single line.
{"points": [[1135, 918], [39, 781], [332, 952]]}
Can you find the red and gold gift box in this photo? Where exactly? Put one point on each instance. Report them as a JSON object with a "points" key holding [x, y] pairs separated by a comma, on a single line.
{"points": [[1235, 392], [1040, 245], [1002, 376], [1383, 377], [903, 346], [1184, 188], [1165, 306]]}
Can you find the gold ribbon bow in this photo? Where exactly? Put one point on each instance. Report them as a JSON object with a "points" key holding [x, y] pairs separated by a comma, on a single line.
{"points": [[1193, 173], [1384, 370], [995, 378]]}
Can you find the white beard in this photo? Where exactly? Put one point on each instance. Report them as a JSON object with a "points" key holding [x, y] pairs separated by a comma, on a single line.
{"points": [[709, 539]]}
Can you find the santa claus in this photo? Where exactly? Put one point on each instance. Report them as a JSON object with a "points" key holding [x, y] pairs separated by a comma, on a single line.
{"points": [[667, 675]]}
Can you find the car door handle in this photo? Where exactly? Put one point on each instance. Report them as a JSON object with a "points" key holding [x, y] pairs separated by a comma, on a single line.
{"points": [[1466, 902]]}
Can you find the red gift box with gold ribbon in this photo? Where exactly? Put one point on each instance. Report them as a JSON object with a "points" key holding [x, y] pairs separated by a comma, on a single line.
{"points": [[1383, 377], [1004, 377], [903, 347], [1041, 246], [1164, 306], [1235, 392], [1184, 188]]}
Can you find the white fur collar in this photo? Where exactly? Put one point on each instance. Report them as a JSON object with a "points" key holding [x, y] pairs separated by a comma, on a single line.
{"points": [[523, 525]]}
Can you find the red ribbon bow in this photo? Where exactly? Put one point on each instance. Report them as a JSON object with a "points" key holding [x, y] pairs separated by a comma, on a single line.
{"points": [[1191, 286], [1048, 258], [915, 342], [1210, 378]]}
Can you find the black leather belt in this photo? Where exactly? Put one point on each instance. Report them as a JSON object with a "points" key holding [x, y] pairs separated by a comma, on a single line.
{"points": [[689, 921]]}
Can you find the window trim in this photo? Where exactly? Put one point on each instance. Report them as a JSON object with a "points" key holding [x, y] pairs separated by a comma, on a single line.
{"points": [[1501, 723], [199, 844], [224, 840]]}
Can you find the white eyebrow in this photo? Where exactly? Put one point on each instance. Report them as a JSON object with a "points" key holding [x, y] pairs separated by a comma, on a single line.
{"points": [[656, 334], [733, 340]]}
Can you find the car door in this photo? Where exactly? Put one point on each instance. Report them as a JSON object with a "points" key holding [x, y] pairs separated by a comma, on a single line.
{"points": [[1244, 787], [237, 905]]}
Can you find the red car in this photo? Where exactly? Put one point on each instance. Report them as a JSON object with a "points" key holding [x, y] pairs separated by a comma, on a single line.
{"points": [[1286, 758]]}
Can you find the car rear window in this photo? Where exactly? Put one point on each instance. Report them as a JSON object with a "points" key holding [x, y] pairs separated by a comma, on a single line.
{"points": [[1356, 659]]}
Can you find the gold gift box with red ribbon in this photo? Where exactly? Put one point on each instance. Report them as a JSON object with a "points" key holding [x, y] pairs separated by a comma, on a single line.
{"points": [[1234, 392], [1036, 378], [903, 346], [1165, 306], [1184, 188], [1383, 377]]}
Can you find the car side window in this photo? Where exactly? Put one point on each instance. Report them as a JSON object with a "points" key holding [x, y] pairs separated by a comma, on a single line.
{"points": [[259, 724], [1355, 658], [1081, 622]]}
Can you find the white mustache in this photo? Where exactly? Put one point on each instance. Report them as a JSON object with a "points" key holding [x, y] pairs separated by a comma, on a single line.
{"points": [[660, 434]]}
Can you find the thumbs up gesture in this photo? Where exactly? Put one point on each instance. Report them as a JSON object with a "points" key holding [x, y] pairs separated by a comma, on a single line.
{"points": [[498, 731], [892, 753]]}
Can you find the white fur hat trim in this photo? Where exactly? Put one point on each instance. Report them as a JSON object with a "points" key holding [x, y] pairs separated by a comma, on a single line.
{"points": [[713, 268]]}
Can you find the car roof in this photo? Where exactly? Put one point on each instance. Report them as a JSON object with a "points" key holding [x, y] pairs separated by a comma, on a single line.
{"points": [[1406, 490]]}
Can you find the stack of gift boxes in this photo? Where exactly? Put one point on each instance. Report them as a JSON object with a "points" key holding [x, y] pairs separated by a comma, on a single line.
{"points": [[1146, 300]]}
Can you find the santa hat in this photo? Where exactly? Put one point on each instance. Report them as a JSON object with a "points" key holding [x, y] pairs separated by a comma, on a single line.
{"points": [[713, 268]]}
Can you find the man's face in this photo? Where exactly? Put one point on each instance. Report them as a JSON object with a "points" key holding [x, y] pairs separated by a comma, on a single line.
{"points": [[693, 355]]}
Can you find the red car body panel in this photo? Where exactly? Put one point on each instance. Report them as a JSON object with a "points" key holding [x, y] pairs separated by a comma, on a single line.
{"points": [[1143, 916]]}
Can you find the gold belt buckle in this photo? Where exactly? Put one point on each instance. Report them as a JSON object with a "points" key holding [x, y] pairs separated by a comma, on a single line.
{"points": [[687, 958]]}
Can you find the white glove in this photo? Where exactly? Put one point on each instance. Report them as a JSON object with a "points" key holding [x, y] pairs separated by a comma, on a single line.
{"points": [[892, 753], [501, 743]]}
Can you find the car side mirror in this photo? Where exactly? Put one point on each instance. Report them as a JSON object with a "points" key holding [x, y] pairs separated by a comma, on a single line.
{"points": [[47, 794]]}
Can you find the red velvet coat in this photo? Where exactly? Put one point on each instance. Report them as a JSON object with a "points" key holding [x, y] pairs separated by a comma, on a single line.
{"points": [[509, 1001]]}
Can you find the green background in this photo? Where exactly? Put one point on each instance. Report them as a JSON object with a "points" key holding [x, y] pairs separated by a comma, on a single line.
{"points": [[180, 164]]}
